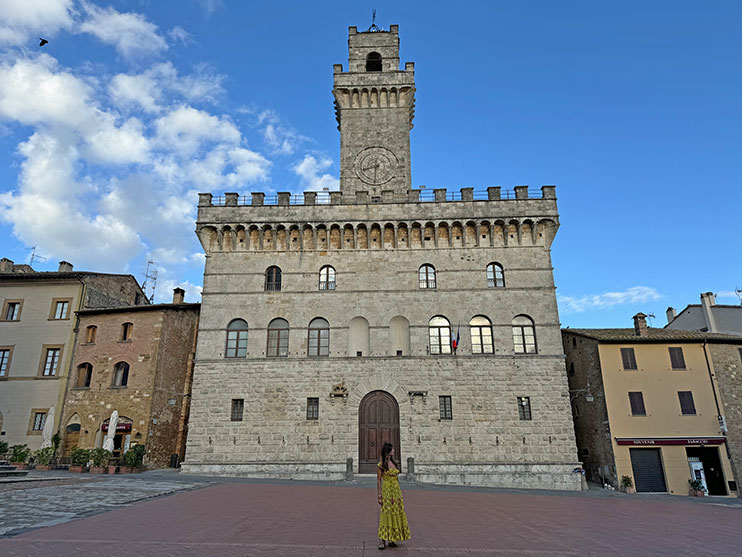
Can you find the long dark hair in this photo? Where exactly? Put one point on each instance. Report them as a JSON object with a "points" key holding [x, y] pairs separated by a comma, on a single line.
{"points": [[385, 450]]}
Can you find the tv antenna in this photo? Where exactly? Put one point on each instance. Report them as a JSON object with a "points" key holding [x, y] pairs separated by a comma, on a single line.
{"points": [[374, 28], [34, 256], [150, 275], [651, 316], [738, 292]]}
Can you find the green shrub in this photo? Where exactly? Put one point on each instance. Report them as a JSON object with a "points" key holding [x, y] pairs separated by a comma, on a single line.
{"points": [[44, 456], [135, 456], [626, 481], [696, 485], [79, 457], [100, 457], [3, 447], [19, 453]]}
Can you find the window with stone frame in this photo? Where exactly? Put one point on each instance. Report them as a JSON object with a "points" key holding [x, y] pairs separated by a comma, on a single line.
{"points": [[327, 278], [236, 339], [12, 310], [636, 401], [439, 335], [120, 375], [5, 355], [628, 358], [495, 276], [687, 406], [278, 339], [373, 62], [426, 276], [60, 309], [524, 335], [319, 338], [84, 376], [524, 408], [273, 279], [677, 361], [446, 407], [39, 419], [90, 334], [127, 330], [481, 335], [51, 362], [238, 409], [312, 408]]}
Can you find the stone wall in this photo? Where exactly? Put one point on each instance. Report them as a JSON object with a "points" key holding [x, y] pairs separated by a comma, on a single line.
{"points": [[727, 365]]}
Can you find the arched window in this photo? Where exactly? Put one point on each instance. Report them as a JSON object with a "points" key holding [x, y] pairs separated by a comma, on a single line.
{"points": [[495, 276], [120, 375], [126, 331], [84, 375], [359, 342], [90, 334], [273, 279], [236, 339], [319, 338], [481, 335], [373, 62], [524, 335], [327, 278], [426, 274], [278, 338], [439, 330]]}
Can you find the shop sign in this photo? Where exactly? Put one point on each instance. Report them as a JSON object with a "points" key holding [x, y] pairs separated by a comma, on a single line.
{"points": [[636, 441]]}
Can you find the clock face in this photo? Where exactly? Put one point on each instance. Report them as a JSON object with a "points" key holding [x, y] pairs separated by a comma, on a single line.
{"points": [[375, 165]]}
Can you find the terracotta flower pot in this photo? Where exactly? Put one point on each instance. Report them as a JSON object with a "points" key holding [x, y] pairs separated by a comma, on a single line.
{"points": [[113, 469], [630, 489], [44, 467], [98, 469], [124, 469], [78, 469], [20, 465], [697, 493]]}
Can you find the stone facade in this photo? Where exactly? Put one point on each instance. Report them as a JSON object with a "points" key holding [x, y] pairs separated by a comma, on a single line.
{"points": [[153, 404], [726, 360], [376, 239]]}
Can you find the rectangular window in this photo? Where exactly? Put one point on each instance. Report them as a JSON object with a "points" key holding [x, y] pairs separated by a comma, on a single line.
{"points": [[12, 310], [39, 419], [446, 408], [51, 362], [60, 309], [90, 336], [628, 358], [524, 408], [636, 399], [687, 406], [238, 409], [5, 354], [312, 409], [126, 330], [676, 357]]}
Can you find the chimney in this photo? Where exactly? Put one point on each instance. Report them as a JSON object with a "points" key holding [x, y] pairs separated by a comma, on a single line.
{"points": [[64, 267], [6, 265], [707, 301], [178, 295], [640, 325], [671, 314]]}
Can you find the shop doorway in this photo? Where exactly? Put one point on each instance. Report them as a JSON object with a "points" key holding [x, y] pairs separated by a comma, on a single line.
{"points": [[378, 423], [649, 476], [712, 472]]}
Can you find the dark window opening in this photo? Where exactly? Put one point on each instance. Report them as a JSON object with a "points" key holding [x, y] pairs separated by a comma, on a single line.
{"points": [[628, 358], [636, 399], [120, 374], [273, 279], [278, 338], [446, 407], [238, 409], [373, 62], [524, 408], [676, 357], [84, 375], [312, 409], [687, 406]]}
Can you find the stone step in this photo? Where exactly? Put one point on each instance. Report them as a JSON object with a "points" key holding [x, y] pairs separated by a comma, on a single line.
{"points": [[13, 473], [6, 467]]}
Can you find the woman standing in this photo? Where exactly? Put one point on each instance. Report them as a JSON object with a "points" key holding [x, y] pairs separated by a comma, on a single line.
{"points": [[393, 521]]}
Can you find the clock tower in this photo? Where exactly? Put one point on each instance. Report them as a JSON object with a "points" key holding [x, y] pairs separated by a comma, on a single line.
{"points": [[374, 105]]}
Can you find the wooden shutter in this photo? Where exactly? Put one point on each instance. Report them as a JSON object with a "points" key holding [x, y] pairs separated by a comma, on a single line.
{"points": [[637, 404], [676, 357], [687, 406], [628, 358]]}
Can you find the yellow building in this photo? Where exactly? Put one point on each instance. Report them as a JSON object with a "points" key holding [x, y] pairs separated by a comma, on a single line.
{"points": [[646, 405], [37, 331]]}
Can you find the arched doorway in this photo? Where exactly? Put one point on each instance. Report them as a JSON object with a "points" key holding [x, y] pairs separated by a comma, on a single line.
{"points": [[122, 437], [378, 423], [71, 435]]}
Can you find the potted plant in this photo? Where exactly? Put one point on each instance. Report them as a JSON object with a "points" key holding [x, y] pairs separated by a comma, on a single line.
{"points": [[696, 488], [79, 459], [627, 484], [99, 458], [3, 449], [43, 458], [113, 466], [19, 456], [133, 458]]}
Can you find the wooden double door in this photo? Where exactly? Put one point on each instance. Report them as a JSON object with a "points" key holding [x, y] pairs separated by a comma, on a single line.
{"points": [[378, 423]]}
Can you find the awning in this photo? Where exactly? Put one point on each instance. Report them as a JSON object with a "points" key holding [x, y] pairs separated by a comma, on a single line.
{"points": [[119, 427], [670, 440]]}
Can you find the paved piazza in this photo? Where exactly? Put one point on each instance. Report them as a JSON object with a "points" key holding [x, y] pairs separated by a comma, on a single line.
{"points": [[165, 513]]}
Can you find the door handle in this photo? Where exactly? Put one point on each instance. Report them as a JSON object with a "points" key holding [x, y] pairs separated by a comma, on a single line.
{"points": [[373, 444]]}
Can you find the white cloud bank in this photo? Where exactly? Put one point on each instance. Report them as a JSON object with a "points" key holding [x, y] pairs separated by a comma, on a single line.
{"points": [[129, 33], [22, 21], [606, 300], [309, 169]]}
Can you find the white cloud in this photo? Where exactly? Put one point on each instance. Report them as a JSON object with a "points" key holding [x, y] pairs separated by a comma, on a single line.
{"points": [[130, 33], [728, 294], [309, 170], [185, 129], [164, 293], [178, 34], [210, 6], [280, 138], [606, 300], [25, 21]]}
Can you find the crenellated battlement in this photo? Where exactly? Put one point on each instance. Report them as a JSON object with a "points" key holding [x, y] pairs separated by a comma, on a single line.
{"points": [[326, 221]]}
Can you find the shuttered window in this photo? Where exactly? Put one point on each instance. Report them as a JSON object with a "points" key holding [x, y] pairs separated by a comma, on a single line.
{"points": [[628, 358], [636, 399], [687, 406], [676, 357]]}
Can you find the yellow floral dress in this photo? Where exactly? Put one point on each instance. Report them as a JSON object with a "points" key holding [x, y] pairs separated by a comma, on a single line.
{"points": [[393, 520]]}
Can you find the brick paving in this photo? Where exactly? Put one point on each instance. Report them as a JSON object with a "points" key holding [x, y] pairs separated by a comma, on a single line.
{"points": [[284, 518]]}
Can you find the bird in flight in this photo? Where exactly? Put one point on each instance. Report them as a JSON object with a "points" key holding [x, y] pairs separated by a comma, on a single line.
{"points": [[43, 41]]}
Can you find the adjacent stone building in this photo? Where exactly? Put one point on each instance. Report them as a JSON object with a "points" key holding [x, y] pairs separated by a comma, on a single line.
{"points": [[137, 360], [656, 405], [332, 323], [37, 331]]}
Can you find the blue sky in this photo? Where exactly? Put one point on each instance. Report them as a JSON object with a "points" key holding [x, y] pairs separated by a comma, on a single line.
{"points": [[632, 109]]}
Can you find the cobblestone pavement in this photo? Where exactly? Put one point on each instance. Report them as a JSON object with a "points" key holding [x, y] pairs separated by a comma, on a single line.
{"points": [[256, 518]]}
